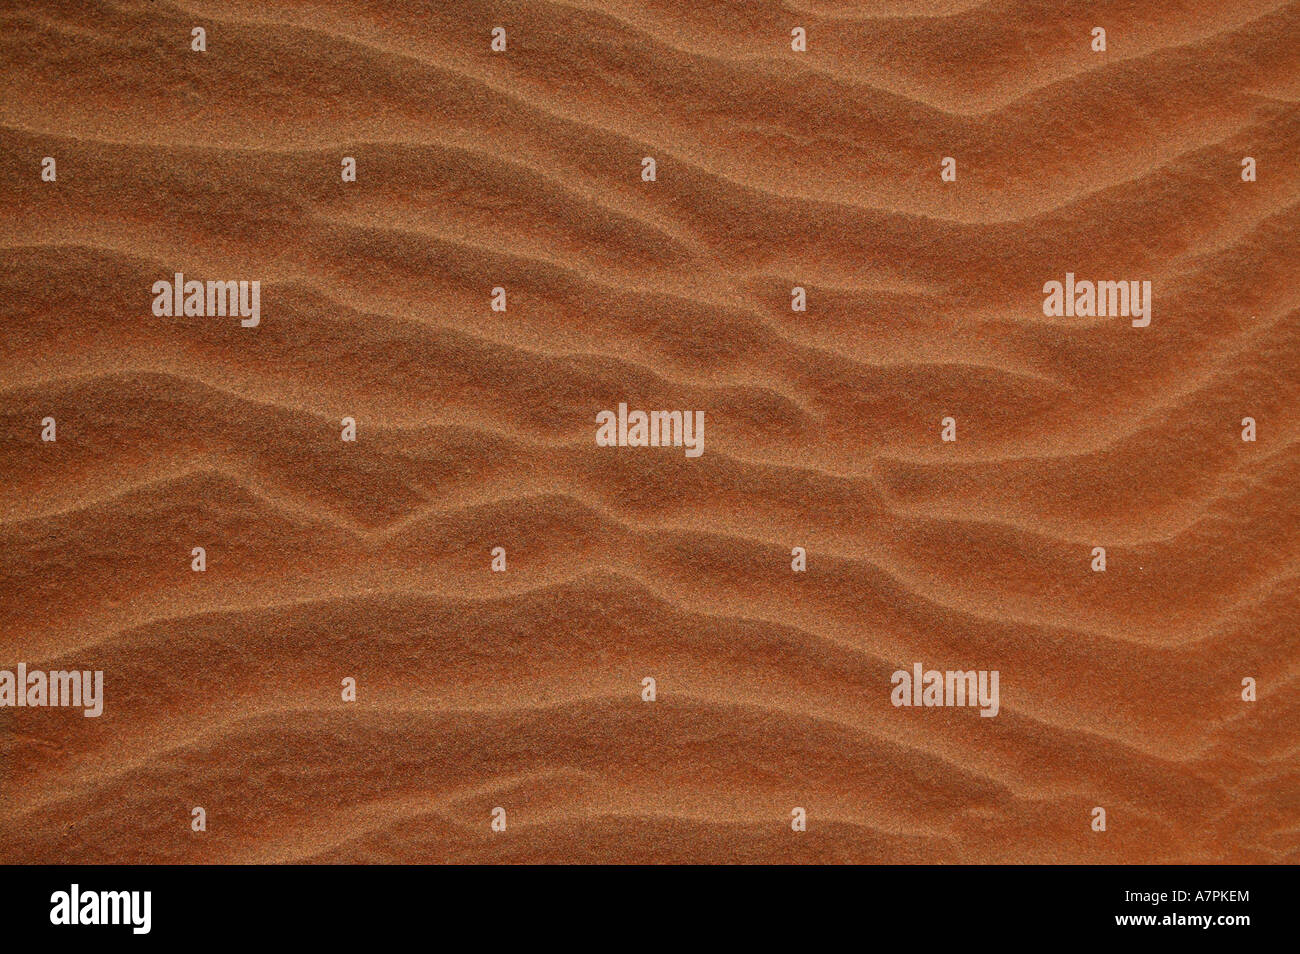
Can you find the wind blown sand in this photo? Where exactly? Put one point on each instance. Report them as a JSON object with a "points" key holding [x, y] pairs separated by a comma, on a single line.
{"points": [[522, 689]]}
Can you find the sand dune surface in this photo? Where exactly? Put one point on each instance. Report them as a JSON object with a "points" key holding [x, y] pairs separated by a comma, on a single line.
{"points": [[522, 169]]}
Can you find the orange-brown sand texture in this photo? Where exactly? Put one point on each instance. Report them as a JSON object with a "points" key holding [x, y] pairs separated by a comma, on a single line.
{"points": [[475, 429]]}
